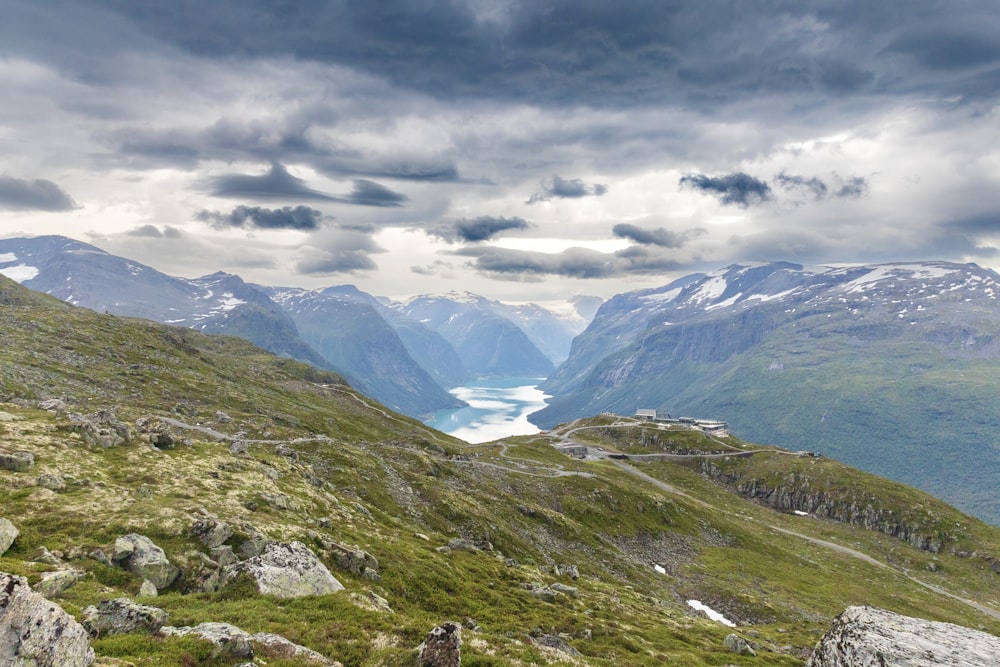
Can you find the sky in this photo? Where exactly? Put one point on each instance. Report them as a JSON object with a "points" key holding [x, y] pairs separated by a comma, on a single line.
{"points": [[523, 150]]}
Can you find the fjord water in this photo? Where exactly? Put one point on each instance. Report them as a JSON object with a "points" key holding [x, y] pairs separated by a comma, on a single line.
{"points": [[498, 407]]}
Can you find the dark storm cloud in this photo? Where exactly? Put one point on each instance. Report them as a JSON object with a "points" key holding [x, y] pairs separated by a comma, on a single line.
{"points": [[664, 238], [564, 188], [279, 184], [275, 184], [985, 223], [18, 194], [949, 47], [478, 229], [811, 185], [336, 261], [300, 217], [507, 264], [737, 189], [370, 193]]}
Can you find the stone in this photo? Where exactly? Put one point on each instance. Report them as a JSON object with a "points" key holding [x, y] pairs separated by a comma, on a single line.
{"points": [[353, 559], [563, 588], [47, 557], [19, 461], [122, 616], [570, 571], [462, 544], [228, 640], [443, 646], [223, 555], [137, 554], [51, 482], [36, 631], [556, 642], [737, 644], [544, 593], [870, 637], [8, 533], [53, 405], [147, 589], [276, 647], [51, 584], [279, 501], [222, 417], [285, 570], [211, 532]]}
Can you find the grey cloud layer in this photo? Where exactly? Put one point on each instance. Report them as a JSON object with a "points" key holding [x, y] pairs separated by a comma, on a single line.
{"points": [[279, 184], [564, 188], [40, 194], [300, 217], [478, 229]]}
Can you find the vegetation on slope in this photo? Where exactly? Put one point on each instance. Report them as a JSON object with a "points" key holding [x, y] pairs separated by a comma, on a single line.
{"points": [[298, 455]]}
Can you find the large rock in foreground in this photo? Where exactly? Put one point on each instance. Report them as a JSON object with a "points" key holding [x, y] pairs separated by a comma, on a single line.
{"points": [[286, 570], [37, 632], [137, 554], [870, 637]]}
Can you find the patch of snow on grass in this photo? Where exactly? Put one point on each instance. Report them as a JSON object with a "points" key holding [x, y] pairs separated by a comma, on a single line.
{"points": [[711, 613], [7, 257]]}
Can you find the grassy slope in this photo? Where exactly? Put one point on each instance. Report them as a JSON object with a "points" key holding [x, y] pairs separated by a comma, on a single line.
{"points": [[383, 482]]}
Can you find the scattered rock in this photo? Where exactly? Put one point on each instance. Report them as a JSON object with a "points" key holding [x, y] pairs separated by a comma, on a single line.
{"points": [[211, 531], [278, 501], [364, 510], [570, 571], [865, 636], [223, 555], [285, 570], [101, 428], [737, 644], [544, 593], [147, 589], [53, 405], [227, 639], [19, 461], [287, 451], [239, 447], [464, 544], [276, 647], [379, 602], [563, 588], [122, 616], [443, 646], [421, 536], [137, 554], [556, 642], [51, 584], [222, 417], [353, 559], [253, 543], [8, 533], [470, 623], [51, 482], [36, 631], [8, 417]]}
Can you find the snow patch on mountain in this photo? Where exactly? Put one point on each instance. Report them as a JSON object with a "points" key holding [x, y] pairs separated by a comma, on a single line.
{"points": [[20, 273]]}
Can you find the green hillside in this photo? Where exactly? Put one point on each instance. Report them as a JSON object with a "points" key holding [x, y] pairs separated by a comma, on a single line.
{"points": [[281, 451]]}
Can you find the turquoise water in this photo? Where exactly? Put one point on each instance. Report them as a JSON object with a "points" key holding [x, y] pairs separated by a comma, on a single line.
{"points": [[498, 407]]}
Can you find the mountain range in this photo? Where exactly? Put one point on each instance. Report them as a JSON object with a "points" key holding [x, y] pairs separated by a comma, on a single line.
{"points": [[388, 350], [894, 368], [194, 500]]}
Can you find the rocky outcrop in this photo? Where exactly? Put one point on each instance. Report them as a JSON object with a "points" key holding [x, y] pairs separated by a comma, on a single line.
{"points": [[8, 533], [137, 554], [17, 461], [795, 493], [37, 632], [871, 637], [121, 616], [443, 646], [276, 647], [285, 570]]}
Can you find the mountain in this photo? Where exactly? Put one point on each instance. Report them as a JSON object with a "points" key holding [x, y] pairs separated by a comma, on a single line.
{"points": [[894, 368], [487, 343], [370, 354], [551, 332], [351, 334], [131, 451], [427, 347]]}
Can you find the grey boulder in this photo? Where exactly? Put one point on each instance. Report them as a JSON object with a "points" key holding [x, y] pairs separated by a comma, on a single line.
{"points": [[871, 637], [137, 554], [8, 533], [36, 632], [285, 570], [121, 616]]}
